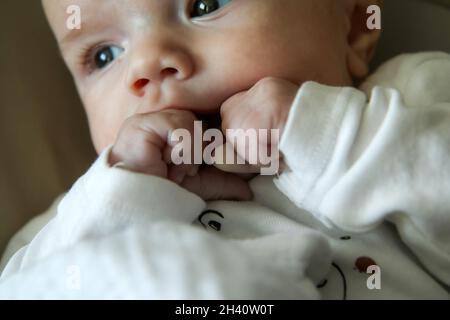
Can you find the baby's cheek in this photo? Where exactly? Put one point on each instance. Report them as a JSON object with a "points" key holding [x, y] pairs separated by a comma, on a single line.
{"points": [[102, 136], [105, 120]]}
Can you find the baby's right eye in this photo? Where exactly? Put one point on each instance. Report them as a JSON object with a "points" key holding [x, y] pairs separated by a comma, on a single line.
{"points": [[105, 55]]}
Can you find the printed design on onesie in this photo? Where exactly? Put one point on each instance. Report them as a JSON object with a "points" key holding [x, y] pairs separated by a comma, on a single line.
{"points": [[211, 219]]}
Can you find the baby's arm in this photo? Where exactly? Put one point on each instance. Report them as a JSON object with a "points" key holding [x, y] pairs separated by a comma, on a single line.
{"points": [[130, 182], [103, 201], [129, 235], [355, 164]]}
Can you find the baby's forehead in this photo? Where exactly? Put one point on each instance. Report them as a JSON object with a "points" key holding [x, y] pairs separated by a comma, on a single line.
{"points": [[58, 11], [57, 8]]}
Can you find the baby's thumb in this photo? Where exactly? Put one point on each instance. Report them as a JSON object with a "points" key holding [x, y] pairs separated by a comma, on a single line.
{"points": [[222, 164], [212, 184]]}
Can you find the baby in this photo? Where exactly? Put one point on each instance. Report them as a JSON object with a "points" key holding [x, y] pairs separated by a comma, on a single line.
{"points": [[359, 208]]}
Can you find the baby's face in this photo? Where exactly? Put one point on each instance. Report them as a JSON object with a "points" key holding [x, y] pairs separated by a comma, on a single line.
{"points": [[138, 56]]}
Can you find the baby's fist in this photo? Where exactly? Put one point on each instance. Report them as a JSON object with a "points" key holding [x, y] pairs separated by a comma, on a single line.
{"points": [[260, 112], [143, 146], [265, 106]]}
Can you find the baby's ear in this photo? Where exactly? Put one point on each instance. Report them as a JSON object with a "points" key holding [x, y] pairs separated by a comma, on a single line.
{"points": [[363, 34]]}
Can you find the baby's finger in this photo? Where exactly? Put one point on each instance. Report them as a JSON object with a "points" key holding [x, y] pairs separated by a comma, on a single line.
{"points": [[177, 173], [232, 103], [233, 163], [213, 184]]}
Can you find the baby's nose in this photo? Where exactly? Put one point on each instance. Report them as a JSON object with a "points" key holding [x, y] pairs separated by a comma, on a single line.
{"points": [[149, 67]]}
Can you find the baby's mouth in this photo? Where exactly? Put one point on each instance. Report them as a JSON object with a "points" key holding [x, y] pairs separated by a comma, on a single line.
{"points": [[210, 120]]}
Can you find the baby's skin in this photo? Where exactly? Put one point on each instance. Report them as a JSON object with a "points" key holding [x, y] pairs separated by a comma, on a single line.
{"points": [[144, 68]]}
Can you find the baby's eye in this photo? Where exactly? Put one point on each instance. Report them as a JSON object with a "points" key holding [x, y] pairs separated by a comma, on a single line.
{"points": [[105, 55], [204, 7]]}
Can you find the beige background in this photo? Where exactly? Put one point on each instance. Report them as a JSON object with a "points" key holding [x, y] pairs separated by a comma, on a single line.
{"points": [[44, 142]]}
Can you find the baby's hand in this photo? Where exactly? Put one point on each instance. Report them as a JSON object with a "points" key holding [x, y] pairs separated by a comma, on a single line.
{"points": [[143, 146], [265, 106]]}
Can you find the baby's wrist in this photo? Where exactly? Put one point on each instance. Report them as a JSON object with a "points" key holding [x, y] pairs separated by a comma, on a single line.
{"points": [[284, 114]]}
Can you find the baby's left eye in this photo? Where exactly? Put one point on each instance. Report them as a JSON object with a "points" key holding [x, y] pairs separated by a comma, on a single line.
{"points": [[203, 7]]}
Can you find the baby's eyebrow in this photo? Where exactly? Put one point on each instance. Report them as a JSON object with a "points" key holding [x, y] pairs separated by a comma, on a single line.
{"points": [[89, 23], [70, 37]]}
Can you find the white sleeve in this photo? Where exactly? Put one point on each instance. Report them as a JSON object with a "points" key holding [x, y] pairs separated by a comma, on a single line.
{"points": [[104, 200], [122, 235], [355, 163], [175, 261]]}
